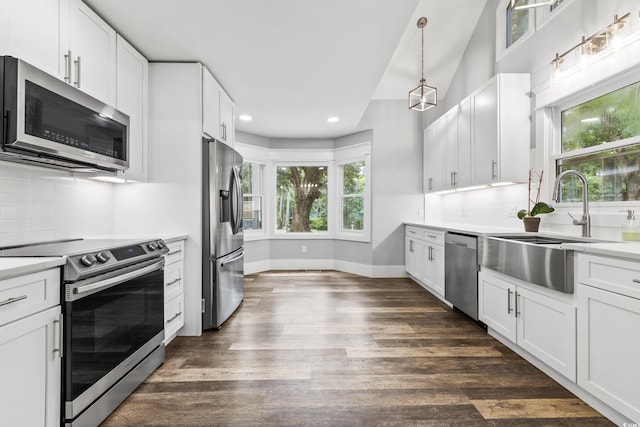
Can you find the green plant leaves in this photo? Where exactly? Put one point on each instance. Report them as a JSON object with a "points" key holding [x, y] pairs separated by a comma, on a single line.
{"points": [[538, 208]]}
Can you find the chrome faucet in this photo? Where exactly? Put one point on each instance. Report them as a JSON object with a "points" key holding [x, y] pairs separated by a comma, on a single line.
{"points": [[585, 222]]}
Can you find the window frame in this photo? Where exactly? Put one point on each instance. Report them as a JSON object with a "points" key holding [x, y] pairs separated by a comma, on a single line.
{"points": [[261, 194], [329, 157], [352, 155], [555, 113], [502, 15], [274, 218]]}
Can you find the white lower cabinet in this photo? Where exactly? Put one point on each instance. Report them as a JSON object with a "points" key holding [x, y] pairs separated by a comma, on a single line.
{"points": [[173, 290], [424, 257], [537, 320], [30, 350], [609, 332]]}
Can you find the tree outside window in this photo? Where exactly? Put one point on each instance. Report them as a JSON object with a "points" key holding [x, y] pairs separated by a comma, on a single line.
{"points": [[613, 173], [301, 199], [353, 193]]}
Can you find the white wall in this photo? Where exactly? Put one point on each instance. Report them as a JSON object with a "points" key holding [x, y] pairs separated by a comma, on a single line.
{"points": [[38, 204]]}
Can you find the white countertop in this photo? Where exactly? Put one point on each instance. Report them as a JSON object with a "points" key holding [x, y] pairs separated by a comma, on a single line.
{"points": [[167, 237], [628, 250], [12, 267]]}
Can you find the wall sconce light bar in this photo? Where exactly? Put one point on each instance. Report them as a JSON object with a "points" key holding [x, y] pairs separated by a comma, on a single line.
{"points": [[596, 43]]}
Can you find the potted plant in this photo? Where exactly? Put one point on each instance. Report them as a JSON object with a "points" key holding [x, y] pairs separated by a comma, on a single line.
{"points": [[528, 216]]}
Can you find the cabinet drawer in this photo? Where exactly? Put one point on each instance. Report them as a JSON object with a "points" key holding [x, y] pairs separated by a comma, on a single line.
{"points": [[610, 274], [173, 280], [434, 236], [29, 294], [415, 232], [173, 316], [176, 252]]}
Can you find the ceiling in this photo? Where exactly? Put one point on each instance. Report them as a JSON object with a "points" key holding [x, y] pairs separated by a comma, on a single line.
{"points": [[291, 64]]}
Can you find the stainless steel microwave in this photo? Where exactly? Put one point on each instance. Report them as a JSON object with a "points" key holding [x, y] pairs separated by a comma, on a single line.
{"points": [[51, 123]]}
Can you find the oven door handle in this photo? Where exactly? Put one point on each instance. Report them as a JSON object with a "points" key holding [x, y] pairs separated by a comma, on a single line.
{"points": [[113, 281]]}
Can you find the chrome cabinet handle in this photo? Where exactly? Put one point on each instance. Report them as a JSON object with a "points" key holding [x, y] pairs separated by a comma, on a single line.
{"points": [[174, 317], [493, 169], [410, 245], [455, 178], [517, 312], [78, 66], [173, 281], [509, 309], [60, 341], [12, 300], [67, 67], [174, 252], [636, 280], [431, 236], [430, 183], [451, 179]]}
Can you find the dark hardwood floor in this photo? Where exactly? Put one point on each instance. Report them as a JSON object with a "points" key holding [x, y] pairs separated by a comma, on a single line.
{"points": [[334, 349]]}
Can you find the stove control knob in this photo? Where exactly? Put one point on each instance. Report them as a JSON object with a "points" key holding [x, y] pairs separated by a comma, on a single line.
{"points": [[160, 244], [102, 257], [152, 246], [88, 260]]}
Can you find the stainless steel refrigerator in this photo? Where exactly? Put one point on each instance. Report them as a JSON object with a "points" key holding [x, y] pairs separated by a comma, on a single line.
{"points": [[222, 240]]}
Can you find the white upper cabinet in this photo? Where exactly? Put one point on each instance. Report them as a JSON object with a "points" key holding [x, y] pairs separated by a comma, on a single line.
{"points": [[92, 44], [210, 106], [500, 130], [31, 30], [217, 110], [433, 153], [133, 99], [64, 38]]}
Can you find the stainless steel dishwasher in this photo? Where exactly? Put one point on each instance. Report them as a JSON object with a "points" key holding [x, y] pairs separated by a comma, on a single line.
{"points": [[461, 272]]}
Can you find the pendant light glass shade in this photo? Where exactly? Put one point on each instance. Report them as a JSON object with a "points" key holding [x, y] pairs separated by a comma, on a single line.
{"points": [[424, 96]]}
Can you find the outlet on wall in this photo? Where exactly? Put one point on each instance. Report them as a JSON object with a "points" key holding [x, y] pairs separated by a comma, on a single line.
{"points": [[304, 249]]}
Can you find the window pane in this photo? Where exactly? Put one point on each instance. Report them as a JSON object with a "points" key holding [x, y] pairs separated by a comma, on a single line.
{"points": [[353, 178], [517, 22], [251, 178], [612, 175], [353, 213], [611, 117], [252, 213], [301, 198]]}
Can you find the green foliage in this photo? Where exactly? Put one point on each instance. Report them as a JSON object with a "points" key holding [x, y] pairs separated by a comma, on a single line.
{"points": [[538, 208], [612, 174]]}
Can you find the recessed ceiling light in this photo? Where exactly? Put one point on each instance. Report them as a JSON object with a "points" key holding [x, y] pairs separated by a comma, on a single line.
{"points": [[245, 117], [333, 119]]}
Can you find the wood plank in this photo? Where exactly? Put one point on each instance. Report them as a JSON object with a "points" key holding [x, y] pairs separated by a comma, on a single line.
{"points": [[323, 348]]}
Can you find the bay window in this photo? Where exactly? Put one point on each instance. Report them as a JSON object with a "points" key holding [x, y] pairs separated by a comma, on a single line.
{"points": [[301, 199]]}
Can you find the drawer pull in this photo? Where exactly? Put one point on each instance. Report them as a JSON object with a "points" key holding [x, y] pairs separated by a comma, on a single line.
{"points": [[12, 300], [174, 252], [174, 317], [636, 280], [431, 236], [174, 281]]}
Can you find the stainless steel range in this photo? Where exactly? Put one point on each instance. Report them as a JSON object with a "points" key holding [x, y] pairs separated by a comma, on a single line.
{"points": [[113, 320]]}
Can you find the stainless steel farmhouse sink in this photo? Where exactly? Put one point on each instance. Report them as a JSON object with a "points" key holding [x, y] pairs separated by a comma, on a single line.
{"points": [[536, 259]]}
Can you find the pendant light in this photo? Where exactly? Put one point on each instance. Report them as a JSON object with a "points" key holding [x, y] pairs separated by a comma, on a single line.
{"points": [[423, 97]]}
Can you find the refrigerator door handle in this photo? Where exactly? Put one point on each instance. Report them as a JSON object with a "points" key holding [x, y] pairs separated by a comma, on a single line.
{"points": [[236, 201], [236, 257]]}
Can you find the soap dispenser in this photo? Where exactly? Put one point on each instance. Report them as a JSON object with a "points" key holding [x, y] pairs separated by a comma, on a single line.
{"points": [[631, 227]]}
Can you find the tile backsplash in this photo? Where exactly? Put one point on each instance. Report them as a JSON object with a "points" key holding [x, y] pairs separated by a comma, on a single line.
{"points": [[38, 204]]}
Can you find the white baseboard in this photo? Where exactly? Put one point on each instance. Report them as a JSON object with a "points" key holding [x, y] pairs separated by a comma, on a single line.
{"points": [[365, 270]]}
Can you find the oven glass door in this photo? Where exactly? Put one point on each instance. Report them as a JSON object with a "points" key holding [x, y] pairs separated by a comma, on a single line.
{"points": [[106, 327]]}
